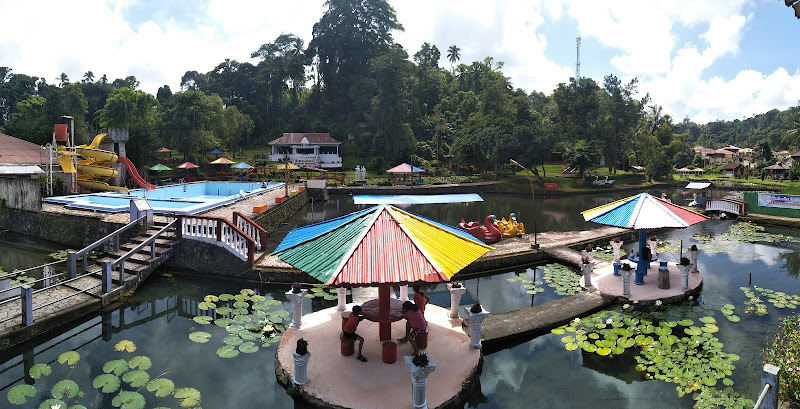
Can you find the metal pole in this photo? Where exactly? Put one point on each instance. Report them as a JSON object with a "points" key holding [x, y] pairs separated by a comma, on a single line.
{"points": [[535, 245]]}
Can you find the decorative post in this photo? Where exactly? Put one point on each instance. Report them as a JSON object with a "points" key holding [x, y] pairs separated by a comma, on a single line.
{"points": [[588, 253], [684, 267], [456, 291], [404, 293], [770, 377], [476, 316], [663, 276], [420, 369], [653, 243], [301, 357], [341, 293], [296, 296], [617, 265], [616, 244], [693, 253], [626, 272], [587, 273]]}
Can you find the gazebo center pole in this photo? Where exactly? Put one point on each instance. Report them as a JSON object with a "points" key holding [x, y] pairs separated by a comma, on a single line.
{"points": [[642, 265], [384, 306]]}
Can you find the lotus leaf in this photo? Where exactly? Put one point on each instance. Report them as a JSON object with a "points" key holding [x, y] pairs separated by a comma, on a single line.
{"points": [[189, 397], [617, 350], [248, 348], [52, 403], [128, 400], [270, 340], [232, 340], [568, 339], [234, 328], [224, 310], [136, 378], [247, 335], [603, 351], [162, 387], [117, 367], [734, 318], [241, 297], [202, 319], [142, 362], [708, 320], [246, 291], [107, 383], [225, 297], [70, 358], [590, 348], [558, 330], [200, 337], [260, 307], [241, 304], [223, 322], [227, 351], [39, 370], [19, 394], [65, 388], [242, 319], [647, 329], [125, 345], [211, 298], [241, 311], [626, 342], [692, 330], [711, 328]]}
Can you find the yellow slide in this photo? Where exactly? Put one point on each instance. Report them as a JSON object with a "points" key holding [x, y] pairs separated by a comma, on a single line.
{"points": [[94, 171]]}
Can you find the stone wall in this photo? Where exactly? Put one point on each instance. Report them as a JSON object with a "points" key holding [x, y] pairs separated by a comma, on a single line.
{"points": [[20, 193], [279, 213], [69, 230]]}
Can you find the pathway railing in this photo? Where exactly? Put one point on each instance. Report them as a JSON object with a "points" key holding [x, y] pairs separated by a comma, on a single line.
{"points": [[72, 256], [733, 206], [219, 231], [251, 228], [119, 264]]}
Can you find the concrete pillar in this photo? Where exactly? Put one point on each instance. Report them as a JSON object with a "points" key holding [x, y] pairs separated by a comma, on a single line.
{"points": [[693, 254], [404, 293], [770, 376], [106, 276], [475, 324], [419, 380], [341, 292], [663, 276], [455, 298], [616, 245], [72, 264], [26, 294], [653, 247], [684, 276], [300, 368], [626, 282], [588, 255], [617, 266], [587, 274], [297, 306]]}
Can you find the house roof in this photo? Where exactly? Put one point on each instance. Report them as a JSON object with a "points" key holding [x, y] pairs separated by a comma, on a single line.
{"points": [[684, 170], [312, 138], [732, 166], [777, 166], [18, 152], [732, 148], [780, 153]]}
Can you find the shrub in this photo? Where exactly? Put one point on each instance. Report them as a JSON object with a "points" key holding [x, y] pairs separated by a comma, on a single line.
{"points": [[785, 354]]}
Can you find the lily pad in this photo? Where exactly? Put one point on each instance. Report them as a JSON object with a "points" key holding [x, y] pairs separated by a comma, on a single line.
{"points": [[19, 394], [202, 319], [128, 400], [227, 351], [70, 358], [66, 388], [39, 370], [107, 383], [162, 387], [733, 318], [248, 348], [189, 397], [117, 367], [125, 345], [200, 337], [136, 378], [142, 362]]}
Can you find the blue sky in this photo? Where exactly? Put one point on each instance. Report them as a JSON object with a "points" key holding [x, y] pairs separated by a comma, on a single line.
{"points": [[706, 60]]}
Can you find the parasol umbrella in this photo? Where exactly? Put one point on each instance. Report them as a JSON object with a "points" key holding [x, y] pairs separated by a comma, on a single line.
{"points": [[159, 167], [241, 165], [216, 152], [380, 246], [165, 150], [221, 161], [291, 166], [405, 169], [642, 212], [187, 166]]}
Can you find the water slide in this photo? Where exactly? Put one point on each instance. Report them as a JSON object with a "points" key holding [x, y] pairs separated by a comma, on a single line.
{"points": [[95, 170], [134, 174]]}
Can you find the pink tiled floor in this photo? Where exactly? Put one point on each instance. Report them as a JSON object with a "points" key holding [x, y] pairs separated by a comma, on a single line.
{"points": [[604, 280]]}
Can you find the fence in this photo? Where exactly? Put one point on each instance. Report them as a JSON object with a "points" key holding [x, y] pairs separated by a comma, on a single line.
{"points": [[251, 228], [219, 231], [113, 238]]}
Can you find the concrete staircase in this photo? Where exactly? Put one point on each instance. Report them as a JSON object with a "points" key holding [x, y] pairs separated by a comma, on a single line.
{"points": [[142, 263]]}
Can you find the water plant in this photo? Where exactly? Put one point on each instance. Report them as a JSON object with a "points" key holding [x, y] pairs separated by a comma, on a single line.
{"points": [[325, 292], [755, 303], [528, 284], [784, 352], [121, 382], [248, 319], [741, 232], [562, 279]]}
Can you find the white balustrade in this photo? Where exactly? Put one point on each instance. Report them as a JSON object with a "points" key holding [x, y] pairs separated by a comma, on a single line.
{"points": [[203, 229]]}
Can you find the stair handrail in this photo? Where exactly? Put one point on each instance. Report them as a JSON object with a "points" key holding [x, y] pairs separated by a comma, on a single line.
{"points": [[231, 242], [251, 228], [72, 256], [120, 261]]}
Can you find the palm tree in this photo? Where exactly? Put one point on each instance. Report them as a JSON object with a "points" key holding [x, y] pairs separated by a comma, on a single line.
{"points": [[453, 54], [654, 118]]}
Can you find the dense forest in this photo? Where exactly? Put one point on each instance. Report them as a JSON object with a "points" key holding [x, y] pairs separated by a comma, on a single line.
{"points": [[353, 79]]}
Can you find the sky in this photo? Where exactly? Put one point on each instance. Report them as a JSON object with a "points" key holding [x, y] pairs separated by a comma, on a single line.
{"points": [[701, 59]]}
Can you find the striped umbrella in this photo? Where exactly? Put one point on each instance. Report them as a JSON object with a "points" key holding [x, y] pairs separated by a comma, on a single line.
{"points": [[379, 246], [642, 212]]}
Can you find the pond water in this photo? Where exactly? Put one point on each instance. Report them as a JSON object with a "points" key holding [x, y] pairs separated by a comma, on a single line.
{"points": [[536, 373]]}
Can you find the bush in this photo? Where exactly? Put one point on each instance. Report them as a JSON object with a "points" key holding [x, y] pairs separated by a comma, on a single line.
{"points": [[785, 354]]}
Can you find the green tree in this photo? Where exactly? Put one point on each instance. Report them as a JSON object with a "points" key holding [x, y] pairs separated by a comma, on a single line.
{"points": [[763, 152], [428, 56], [578, 109], [393, 136], [189, 118], [14, 88], [26, 122], [621, 112], [582, 157], [453, 54]]}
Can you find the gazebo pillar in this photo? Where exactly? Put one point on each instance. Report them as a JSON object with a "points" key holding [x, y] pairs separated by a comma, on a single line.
{"points": [[341, 295], [297, 306], [384, 305], [642, 265]]}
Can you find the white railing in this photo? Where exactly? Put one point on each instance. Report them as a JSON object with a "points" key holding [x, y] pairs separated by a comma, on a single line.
{"points": [[219, 231], [726, 205], [251, 228]]}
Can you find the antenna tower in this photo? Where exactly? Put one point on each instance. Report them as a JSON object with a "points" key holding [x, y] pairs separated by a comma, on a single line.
{"points": [[578, 59]]}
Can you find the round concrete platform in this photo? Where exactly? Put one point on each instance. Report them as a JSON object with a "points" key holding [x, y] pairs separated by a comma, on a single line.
{"points": [[344, 381], [604, 280]]}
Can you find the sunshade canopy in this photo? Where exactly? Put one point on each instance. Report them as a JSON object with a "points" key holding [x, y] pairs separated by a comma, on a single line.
{"points": [[241, 165], [379, 245], [159, 167], [405, 168], [187, 165], [222, 161], [699, 185], [292, 166], [642, 212], [164, 150], [216, 152], [418, 199]]}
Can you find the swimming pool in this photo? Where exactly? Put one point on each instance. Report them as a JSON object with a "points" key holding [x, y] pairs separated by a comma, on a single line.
{"points": [[186, 198]]}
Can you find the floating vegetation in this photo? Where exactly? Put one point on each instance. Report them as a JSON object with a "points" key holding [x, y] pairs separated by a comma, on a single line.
{"points": [[62, 254], [124, 378], [675, 345], [21, 279], [562, 279], [755, 303], [741, 232], [325, 292], [530, 286], [779, 299], [247, 318]]}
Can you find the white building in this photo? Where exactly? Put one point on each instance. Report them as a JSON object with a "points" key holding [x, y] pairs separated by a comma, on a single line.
{"points": [[317, 150]]}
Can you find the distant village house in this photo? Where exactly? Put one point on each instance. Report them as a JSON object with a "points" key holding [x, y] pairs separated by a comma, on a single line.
{"points": [[315, 150]]}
